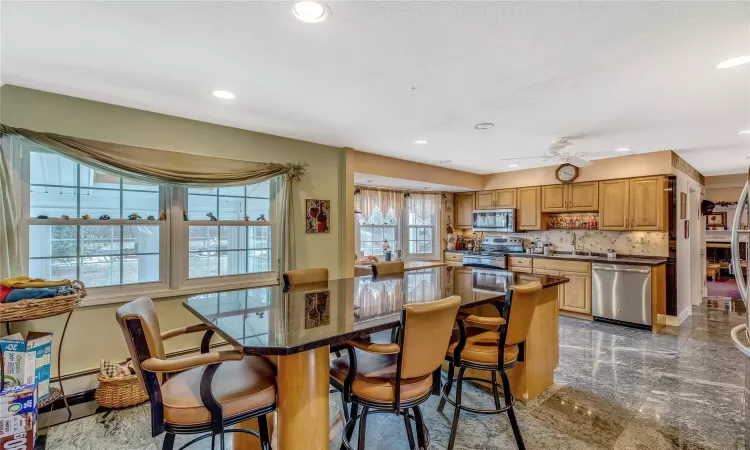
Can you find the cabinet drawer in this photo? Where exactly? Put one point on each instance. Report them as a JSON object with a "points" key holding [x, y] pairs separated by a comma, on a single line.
{"points": [[454, 257], [522, 269], [563, 266], [516, 262]]}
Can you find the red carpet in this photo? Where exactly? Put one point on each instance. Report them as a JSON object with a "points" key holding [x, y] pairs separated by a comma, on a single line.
{"points": [[725, 288]]}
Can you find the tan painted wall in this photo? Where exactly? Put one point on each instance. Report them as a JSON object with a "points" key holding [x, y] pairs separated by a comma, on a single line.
{"points": [[725, 188], [385, 166], [93, 333], [656, 163]]}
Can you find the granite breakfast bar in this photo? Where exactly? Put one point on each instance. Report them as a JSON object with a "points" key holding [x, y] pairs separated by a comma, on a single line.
{"points": [[296, 327]]}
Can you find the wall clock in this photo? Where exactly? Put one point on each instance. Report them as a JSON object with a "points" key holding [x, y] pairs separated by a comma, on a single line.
{"points": [[566, 173]]}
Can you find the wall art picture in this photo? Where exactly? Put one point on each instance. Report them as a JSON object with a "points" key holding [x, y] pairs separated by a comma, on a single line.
{"points": [[683, 205], [317, 309], [318, 217], [717, 219]]}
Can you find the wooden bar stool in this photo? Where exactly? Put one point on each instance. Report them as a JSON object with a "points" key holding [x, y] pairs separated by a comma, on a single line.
{"points": [[480, 348], [387, 268], [396, 377]]}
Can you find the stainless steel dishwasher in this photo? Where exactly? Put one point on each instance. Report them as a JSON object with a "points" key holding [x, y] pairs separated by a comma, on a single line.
{"points": [[621, 293]]}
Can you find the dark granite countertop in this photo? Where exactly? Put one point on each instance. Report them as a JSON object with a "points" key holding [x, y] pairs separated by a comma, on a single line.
{"points": [[277, 321], [595, 258]]}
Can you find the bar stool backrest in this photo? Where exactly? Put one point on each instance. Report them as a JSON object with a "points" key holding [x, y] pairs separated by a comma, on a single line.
{"points": [[303, 276], [386, 268], [427, 329], [148, 333], [523, 301]]}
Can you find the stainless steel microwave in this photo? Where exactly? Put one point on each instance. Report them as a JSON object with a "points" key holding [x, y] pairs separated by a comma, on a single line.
{"points": [[494, 220]]}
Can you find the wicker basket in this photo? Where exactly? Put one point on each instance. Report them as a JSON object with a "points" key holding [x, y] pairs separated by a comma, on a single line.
{"points": [[37, 309], [122, 392]]}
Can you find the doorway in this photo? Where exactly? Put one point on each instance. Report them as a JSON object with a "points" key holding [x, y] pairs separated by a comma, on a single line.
{"points": [[697, 247]]}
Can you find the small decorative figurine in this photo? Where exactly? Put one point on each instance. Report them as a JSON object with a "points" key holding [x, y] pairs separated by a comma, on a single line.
{"points": [[134, 216], [211, 217], [162, 216], [261, 218], [104, 217], [65, 217], [150, 218], [184, 215], [85, 217], [42, 216], [246, 218]]}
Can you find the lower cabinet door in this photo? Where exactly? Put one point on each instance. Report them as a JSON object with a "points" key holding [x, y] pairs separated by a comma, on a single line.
{"points": [[575, 295]]}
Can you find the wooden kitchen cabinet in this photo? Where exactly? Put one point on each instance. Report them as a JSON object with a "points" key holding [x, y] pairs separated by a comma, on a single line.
{"points": [[554, 198], [573, 197], [647, 204], [497, 199], [529, 208], [614, 204], [464, 206], [463, 283], [575, 295]]}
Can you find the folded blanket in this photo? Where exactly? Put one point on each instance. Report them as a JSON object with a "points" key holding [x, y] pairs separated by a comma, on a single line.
{"points": [[38, 293], [3, 293], [28, 282]]}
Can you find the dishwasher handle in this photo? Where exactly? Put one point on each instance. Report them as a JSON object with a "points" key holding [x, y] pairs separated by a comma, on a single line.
{"points": [[612, 269]]}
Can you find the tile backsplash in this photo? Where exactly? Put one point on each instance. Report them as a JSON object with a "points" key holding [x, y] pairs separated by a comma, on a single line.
{"points": [[646, 243]]}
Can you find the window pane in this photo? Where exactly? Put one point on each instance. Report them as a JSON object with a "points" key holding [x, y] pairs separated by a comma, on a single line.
{"points": [[96, 203], [231, 208], [204, 264], [237, 191], [200, 205], [232, 301], [53, 201], [143, 203], [258, 237], [256, 207], [138, 186], [365, 234], [206, 191], [140, 269], [100, 270], [258, 261], [233, 263], [259, 190], [205, 239], [100, 240], [232, 238], [140, 239], [92, 178], [377, 235], [52, 240], [50, 168], [390, 234], [53, 269]]}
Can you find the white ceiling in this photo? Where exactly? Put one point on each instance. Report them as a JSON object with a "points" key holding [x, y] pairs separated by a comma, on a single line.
{"points": [[607, 74], [364, 179]]}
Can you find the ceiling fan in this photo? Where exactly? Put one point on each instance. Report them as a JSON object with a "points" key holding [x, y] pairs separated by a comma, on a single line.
{"points": [[556, 153]]}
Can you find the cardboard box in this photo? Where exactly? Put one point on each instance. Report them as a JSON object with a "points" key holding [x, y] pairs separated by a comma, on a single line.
{"points": [[27, 361], [18, 416]]}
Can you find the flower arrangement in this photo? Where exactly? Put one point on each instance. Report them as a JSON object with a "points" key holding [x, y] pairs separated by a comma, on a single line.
{"points": [[134, 216], [162, 216], [211, 217], [104, 217]]}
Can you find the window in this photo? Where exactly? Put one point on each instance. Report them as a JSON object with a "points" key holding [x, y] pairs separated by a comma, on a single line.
{"points": [[421, 234], [376, 229], [233, 245], [62, 195]]}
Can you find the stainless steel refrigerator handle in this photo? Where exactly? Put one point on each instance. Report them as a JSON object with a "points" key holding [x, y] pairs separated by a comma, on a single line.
{"points": [[736, 257], [736, 338], [607, 269]]}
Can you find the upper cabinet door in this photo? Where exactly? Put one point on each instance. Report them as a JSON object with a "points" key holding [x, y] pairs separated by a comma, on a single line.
{"points": [[505, 198], [485, 200], [583, 196], [464, 208], [530, 208], [647, 204], [554, 198], [614, 204]]}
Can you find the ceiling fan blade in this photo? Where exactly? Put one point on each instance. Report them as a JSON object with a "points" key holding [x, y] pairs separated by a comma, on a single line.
{"points": [[579, 162], [520, 157]]}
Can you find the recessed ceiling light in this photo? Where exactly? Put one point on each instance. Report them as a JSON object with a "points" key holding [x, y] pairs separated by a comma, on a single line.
{"points": [[426, 187], [512, 165], [744, 132], [225, 95], [311, 11], [733, 62], [369, 181], [622, 150], [421, 141], [445, 161], [484, 126]]}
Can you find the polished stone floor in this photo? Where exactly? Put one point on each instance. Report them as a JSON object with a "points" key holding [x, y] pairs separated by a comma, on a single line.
{"points": [[616, 388]]}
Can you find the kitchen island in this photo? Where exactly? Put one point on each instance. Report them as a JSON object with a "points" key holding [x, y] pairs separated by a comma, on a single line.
{"points": [[299, 324]]}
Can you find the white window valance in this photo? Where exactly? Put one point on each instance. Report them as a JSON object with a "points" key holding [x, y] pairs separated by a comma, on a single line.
{"points": [[370, 199], [423, 205]]}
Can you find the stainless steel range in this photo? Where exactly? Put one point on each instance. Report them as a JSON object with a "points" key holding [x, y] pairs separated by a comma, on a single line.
{"points": [[494, 253]]}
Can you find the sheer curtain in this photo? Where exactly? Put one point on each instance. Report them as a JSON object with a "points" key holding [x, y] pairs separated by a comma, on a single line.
{"points": [[383, 199], [10, 251], [423, 205]]}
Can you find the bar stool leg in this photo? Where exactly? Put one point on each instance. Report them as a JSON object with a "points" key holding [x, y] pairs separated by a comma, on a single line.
{"points": [[494, 391], [362, 428], [511, 414], [168, 442], [421, 438], [457, 410], [349, 431], [265, 443], [409, 431], [451, 369]]}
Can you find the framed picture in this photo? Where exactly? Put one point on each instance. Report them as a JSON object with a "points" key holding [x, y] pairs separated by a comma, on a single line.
{"points": [[318, 217], [717, 219], [449, 206], [683, 205], [687, 229]]}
